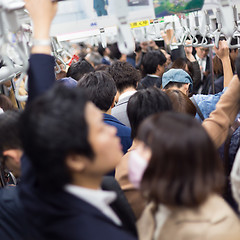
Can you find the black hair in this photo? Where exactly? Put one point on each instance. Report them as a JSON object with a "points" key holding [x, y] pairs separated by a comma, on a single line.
{"points": [[52, 127], [144, 103], [124, 75], [101, 88], [9, 131], [78, 69], [174, 84], [101, 50], [151, 60]]}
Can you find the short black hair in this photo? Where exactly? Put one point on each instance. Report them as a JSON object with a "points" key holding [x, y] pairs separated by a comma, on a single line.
{"points": [[9, 131], [52, 127], [101, 88], [151, 60], [174, 84], [78, 69], [101, 50], [184, 169], [124, 75], [144, 103]]}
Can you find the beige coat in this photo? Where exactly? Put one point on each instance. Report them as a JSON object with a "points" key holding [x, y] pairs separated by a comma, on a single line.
{"points": [[213, 220]]}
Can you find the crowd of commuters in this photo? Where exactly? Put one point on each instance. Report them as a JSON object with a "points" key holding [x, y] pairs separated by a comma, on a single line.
{"points": [[121, 147]]}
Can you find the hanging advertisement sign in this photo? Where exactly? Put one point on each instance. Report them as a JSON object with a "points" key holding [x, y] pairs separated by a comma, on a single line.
{"points": [[170, 7]]}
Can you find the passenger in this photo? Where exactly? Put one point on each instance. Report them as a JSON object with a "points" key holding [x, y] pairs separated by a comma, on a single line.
{"points": [[78, 69], [218, 73], [10, 142], [105, 53], [13, 224], [153, 64], [70, 149], [182, 182], [142, 104], [101, 90], [126, 78], [181, 103], [94, 58], [177, 79]]}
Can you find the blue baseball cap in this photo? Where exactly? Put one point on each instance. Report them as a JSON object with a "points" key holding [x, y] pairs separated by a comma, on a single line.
{"points": [[176, 75]]}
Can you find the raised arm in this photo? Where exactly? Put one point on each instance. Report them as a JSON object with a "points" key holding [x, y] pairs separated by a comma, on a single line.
{"points": [[41, 69], [219, 121], [223, 53]]}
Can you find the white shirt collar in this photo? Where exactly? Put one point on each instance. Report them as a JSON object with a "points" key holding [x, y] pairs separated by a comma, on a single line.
{"points": [[153, 75], [98, 198], [1, 110], [126, 94]]}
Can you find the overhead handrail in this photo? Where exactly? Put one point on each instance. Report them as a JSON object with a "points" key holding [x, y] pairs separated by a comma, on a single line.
{"points": [[9, 24]]}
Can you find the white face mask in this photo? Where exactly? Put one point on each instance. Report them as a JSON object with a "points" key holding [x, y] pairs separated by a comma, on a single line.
{"points": [[136, 168]]}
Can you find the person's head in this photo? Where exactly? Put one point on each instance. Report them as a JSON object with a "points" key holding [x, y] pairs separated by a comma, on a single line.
{"points": [[78, 69], [153, 62], [177, 79], [5, 103], [218, 67], [10, 141], [67, 82], [94, 58], [184, 64], [124, 75], [67, 141], [181, 103], [167, 55], [202, 52], [101, 89], [184, 168], [233, 51], [103, 51], [144, 103]]}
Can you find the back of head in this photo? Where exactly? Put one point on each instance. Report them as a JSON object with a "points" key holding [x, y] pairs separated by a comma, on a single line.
{"points": [[9, 131], [184, 168], [52, 127], [144, 103], [94, 58], [124, 75], [78, 69], [151, 60], [100, 87], [181, 103]]}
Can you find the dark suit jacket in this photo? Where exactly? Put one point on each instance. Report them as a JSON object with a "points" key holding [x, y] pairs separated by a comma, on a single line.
{"points": [[149, 81], [122, 131], [59, 215]]}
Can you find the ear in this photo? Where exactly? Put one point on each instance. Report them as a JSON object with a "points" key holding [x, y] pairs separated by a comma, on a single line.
{"points": [[113, 103], [76, 163], [14, 154]]}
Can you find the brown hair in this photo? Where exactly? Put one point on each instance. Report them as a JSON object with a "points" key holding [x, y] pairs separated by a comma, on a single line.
{"points": [[218, 67], [180, 102], [5, 103], [184, 168]]}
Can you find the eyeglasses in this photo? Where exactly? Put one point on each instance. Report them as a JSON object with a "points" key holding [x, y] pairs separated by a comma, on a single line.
{"points": [[204, 49]]}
